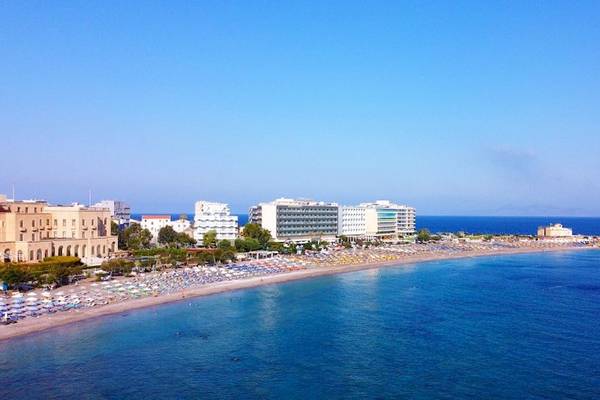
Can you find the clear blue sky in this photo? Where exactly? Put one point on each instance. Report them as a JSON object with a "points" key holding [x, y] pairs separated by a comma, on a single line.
{"points": [[467, 108]]}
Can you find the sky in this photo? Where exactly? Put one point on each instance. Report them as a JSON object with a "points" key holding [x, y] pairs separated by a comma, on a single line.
{"points": [[455, 108]]}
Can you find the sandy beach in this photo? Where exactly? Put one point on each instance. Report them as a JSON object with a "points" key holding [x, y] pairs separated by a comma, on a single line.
{"points": [[32, 325]]}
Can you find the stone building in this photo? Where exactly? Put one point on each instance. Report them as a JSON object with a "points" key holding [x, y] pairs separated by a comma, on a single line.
{"points": [[31, 230]]}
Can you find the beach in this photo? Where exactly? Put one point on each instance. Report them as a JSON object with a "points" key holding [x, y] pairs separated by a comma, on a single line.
{"points": [[45, 322]]}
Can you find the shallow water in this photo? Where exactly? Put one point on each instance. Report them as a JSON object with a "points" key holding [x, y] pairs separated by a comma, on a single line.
{"points": [[511, 327]]}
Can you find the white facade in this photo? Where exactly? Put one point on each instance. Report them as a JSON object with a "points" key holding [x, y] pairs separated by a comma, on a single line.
{"points": [[121, 212], [154, 223], [352, 221], [381, 219], [297, 220], [214, 216], [181, 225]]}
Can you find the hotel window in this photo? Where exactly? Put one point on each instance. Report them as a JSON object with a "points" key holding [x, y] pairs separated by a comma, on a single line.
{"points": [[47, 222], [72, 222], [73, 234], [64, 222], [92, 222], [21, 223], [55, 222], [33, 223], [83, 235], [26, 209], [35, 209], [83, 222], [21, 237], [18, 209], [33, 237]]}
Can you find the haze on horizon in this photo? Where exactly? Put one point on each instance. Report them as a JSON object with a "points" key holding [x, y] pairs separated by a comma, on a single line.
{"points": [[464, 108]]}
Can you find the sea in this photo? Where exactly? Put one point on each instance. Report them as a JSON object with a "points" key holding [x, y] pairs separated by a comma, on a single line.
{"points": [[505, 327], [484, 225]]}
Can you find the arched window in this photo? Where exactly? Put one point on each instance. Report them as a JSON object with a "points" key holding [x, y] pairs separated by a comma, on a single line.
{"points": [[69, 251], [30, 255], [60, 250], [7, 255], [19, 256], [76, 252], [103, 249], [92, 251], [39, 255], [46, 253], [112, 247], [98, 254], [83, 248]]}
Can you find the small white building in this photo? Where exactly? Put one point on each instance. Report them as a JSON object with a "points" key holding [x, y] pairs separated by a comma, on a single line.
{"points": [[154, 223], [214, 216], [181, 225]]}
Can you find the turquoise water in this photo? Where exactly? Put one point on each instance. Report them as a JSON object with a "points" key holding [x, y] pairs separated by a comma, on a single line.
{"points": [[511, 327]]}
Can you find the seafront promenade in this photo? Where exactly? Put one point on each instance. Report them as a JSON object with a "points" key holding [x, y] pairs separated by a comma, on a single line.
{"points": [[44, 310]]}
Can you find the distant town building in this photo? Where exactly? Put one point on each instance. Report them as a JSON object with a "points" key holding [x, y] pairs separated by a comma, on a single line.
{"points": [[297, 220], [378, 220], [154, 223], [31, 230], [183, 225], [214, 216], [121, 212], [554, 231]]}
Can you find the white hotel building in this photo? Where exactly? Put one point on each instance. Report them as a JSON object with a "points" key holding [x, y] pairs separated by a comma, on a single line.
{"points": [[154, 223], [297, 220], [214, 216], [379, 220]]}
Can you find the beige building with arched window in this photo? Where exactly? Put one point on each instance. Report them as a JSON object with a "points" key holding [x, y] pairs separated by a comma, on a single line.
{"points": [[31, 230]]}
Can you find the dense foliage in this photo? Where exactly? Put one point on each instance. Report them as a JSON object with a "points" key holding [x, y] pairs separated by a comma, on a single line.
{"points": [[168, 236], [135, 238], [118, 266], [54, 271]]}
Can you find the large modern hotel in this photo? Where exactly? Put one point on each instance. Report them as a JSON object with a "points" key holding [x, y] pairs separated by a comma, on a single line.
{"points": [[297, 220], [304, 220], [378, 220], [31, 230]]}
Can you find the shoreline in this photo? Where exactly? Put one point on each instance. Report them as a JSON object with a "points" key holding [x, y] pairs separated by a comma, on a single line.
{"points": [[47, 322]]}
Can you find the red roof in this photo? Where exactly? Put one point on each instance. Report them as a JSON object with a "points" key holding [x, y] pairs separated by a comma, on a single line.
{"points": [[156, 217]]}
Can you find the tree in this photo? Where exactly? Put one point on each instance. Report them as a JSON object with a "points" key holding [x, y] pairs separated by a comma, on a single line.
{"points": [[135, 238], [117, 266], [14, 275], [185, 240], [247, 244], [224, 244], [255, 231], [114, 228], [167, 235], [210, 238], [423, 236]]}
